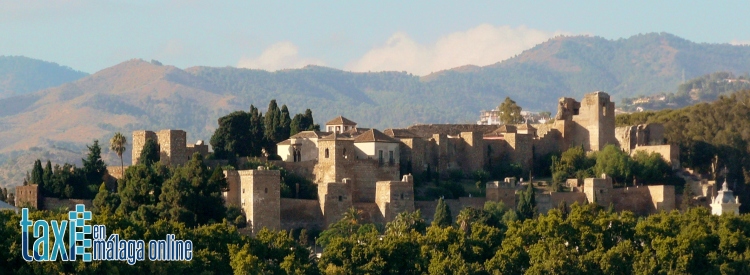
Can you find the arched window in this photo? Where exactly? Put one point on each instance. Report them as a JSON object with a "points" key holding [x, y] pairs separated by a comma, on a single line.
{"points": [[326, 152]]}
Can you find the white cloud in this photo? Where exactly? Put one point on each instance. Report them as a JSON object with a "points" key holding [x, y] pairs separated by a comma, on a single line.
{"points": [[736, 42], [482, 45], [282, 55]]}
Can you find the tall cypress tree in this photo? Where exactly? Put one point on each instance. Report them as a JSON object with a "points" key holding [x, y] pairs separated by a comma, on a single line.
{"points": [[527, 203], [47, 178], [37, 174], [295, 126], [308, 122], [284, 127], [93, 165], [442, 217], [257, 131]]}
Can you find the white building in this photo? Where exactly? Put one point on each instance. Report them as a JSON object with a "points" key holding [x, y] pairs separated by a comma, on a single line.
{"points": [[725, 202]]}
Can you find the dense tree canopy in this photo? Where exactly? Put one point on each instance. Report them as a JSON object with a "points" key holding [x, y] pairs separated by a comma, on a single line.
{"points": [[510, 112]]}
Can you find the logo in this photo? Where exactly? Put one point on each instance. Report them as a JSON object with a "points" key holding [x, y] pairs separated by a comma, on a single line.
{"points": [[91, 242]]}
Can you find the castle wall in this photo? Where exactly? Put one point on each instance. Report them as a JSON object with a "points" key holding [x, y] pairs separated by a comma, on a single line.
{"points": [[644, 200], [429, 130], [413, 151], [234, 191], [304, 168], [116, 172], [296, 213], [522, 151], [502, 191], [369, 212], [196, 148], [473, 155], [568, 197]]}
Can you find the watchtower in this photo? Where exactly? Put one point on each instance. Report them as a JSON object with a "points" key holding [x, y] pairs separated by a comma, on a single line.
{"points": [[260, 198]]}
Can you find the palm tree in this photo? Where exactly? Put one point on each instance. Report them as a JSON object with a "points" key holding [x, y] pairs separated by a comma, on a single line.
{"points": [[351, 216], [117, 144]]}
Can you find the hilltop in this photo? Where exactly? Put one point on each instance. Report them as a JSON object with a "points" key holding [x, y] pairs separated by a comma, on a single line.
{"points": [[56, 122]]}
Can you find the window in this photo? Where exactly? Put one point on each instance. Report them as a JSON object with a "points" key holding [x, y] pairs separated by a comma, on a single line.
{"points": [[326, 152], [344, 152], [338, 129], [243, 190], [390, 157], [265, 190], [402, 196], [340, 198], [380, 156]]}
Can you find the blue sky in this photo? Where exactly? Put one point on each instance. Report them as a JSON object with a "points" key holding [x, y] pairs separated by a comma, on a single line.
{"points": [[417, 36]]}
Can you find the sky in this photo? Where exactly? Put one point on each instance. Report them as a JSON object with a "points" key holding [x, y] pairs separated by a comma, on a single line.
{"points": [[419, 37]]}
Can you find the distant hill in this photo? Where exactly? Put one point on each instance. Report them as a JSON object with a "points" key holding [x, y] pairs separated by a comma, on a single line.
{"points": [[141, 95], [22, 75], [706, 88]]}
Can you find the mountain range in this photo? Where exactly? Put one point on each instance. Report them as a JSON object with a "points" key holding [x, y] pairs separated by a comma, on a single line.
{"points": [[56, 121]]}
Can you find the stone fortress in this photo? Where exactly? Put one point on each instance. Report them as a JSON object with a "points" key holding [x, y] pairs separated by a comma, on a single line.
{"points": [[372, 170]]}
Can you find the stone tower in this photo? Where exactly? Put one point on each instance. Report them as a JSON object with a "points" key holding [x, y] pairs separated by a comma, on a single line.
{"points": [[595, 122], [335, 198], [393, 197], [260, 197], [333, 152], [138, 141], [598, 190], [172, 145], [725, 202]]}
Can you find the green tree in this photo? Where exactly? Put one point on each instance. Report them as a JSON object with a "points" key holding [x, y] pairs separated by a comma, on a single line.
{"points": [[405, 223], [118, 144], [510, 112], [233, 137], [93, 165], [37, 174], [47, 174], [193, 194], [106, 202], [650, 167], [294, 126], [150, 153], [141, 185], [613, 162], [348, 225], [527, 202], [442, 217]]}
